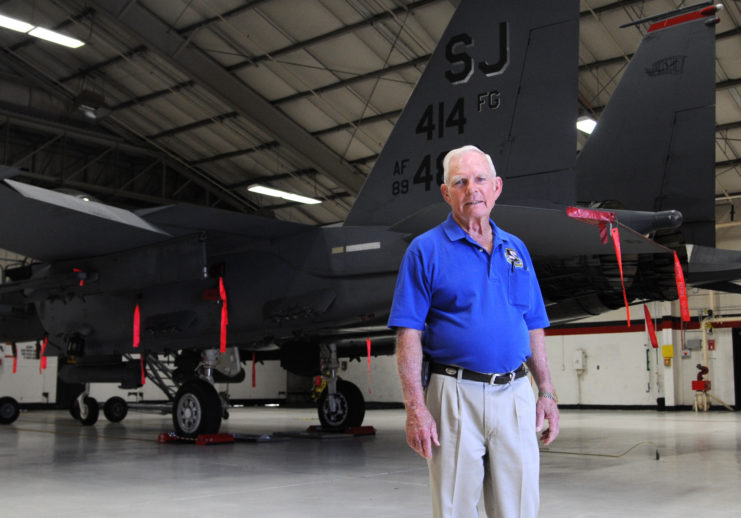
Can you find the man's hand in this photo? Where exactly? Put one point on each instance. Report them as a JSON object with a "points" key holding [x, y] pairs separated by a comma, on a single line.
{"points": [[546, 409], [421, 431]]}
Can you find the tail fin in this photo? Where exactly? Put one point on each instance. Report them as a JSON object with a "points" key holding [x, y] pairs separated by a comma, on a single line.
{"points": [[504, 78], [653, 148]]}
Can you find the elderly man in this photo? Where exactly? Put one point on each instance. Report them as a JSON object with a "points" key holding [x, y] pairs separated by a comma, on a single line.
{"points": [[468, 298]]}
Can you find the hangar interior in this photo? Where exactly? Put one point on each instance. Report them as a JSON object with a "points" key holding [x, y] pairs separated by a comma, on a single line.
{"points": [[196, 101]]}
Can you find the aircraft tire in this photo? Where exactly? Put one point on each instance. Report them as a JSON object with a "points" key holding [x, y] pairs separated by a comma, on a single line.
{"points": [[350, 411], [9, 410], [115, 409], [196, 409], [93, 411]]}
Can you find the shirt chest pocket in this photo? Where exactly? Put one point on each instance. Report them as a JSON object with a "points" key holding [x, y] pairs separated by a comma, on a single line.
{"points": [[518, 288]]}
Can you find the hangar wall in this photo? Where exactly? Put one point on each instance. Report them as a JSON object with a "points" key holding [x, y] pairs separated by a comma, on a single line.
{"points": [[602, 362]]}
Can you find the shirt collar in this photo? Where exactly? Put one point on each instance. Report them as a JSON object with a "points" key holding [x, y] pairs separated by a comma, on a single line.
{"points": [[454, 231]]}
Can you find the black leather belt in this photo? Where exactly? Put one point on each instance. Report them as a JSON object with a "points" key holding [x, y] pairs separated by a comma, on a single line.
{"points": [[493, 379]]}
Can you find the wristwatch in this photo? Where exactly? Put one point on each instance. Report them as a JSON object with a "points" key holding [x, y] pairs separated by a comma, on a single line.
{"points": [[548, 395]]}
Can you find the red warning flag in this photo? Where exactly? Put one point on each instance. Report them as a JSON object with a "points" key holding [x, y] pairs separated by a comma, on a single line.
{"points": [[602, 219], [254, 370], [143, 369], [681, 289], [650, 327], [82, 279], [618, 253], [368, 348], [42, 356], [137, 326], [14, 348], [594, 217], [224, 315]]}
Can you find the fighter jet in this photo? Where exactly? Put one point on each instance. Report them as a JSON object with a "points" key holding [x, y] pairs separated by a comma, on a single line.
{"points": [[121, 295]]}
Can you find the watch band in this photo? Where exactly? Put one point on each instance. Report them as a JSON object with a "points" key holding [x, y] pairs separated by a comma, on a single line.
{"points": [[548, 395]]}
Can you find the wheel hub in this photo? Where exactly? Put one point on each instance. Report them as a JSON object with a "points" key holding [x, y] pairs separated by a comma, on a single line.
{"points": [[189, 413], [6, 411], [337, 416]]}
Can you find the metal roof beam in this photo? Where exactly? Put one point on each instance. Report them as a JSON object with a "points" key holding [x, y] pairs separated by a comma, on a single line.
{"points": [[184, 31], [273, 144], [362, 77], [194, 125], [265, 146], [358, 122], [153, 95], [77, 136], [158, 36], [353, 27], [103, 64]]}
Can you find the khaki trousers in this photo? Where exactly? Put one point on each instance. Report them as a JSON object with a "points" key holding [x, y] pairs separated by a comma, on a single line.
{"points": [[487, 443]]}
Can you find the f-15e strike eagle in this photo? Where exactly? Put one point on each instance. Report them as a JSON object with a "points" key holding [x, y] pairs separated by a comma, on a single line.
{"points": [[107, 283]]}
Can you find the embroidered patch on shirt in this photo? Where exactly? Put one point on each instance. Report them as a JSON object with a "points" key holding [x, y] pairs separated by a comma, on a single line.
{"points": [[512, 258]]}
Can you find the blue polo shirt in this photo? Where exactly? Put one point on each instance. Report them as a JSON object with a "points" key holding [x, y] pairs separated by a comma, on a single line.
{"points": [[475, 309]]}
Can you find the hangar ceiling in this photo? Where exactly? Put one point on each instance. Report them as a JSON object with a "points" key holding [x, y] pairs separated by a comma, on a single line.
{"points": [[195, 100]]}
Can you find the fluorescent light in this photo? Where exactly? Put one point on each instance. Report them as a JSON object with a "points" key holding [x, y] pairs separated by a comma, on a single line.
{"points": [[14, 25], [268, 191], [586, 124], [55, 37]]}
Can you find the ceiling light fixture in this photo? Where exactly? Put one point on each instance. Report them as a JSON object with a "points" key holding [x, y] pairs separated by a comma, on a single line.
{"points": [[39, 32], [269, 191], [15, 25], [91, 104], [55, 37], [586, 124]]}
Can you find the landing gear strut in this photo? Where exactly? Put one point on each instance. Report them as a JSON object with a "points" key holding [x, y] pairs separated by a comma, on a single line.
{"points": [[341, 404], [84, 408]]}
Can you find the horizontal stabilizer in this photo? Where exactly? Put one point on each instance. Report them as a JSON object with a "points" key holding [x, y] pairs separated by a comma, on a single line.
{"points": [[48, 225], [726, 287], [546, 231], [708, 265]]}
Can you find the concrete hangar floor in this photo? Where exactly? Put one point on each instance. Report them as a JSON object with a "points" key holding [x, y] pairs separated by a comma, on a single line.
{"points": [[53, 467]]}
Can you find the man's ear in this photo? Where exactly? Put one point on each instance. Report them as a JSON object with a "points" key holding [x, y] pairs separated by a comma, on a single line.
{"points": [[444, 192], [498, 184]]}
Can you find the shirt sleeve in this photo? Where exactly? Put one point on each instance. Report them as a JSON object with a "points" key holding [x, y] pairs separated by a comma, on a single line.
{"points": [[536, 317], [411, 301]]}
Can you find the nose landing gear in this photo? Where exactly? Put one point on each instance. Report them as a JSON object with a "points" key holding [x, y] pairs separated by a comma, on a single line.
{"points": [[341, 404]]}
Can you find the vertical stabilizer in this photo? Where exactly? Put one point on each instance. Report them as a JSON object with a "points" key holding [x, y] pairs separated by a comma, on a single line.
{"points": [[504, 78], [653, 148]]}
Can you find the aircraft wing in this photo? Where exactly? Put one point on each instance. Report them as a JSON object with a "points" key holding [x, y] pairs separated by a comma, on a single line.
{"points": [[181, 220], [51, 226], [68, 227], [545, 231]]}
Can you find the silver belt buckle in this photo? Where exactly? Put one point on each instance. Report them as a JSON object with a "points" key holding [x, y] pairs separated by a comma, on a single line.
{"points": [[511, 374]]}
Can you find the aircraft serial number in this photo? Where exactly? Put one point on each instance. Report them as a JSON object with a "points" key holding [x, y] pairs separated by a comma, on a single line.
{"points": [[438, 121]]}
